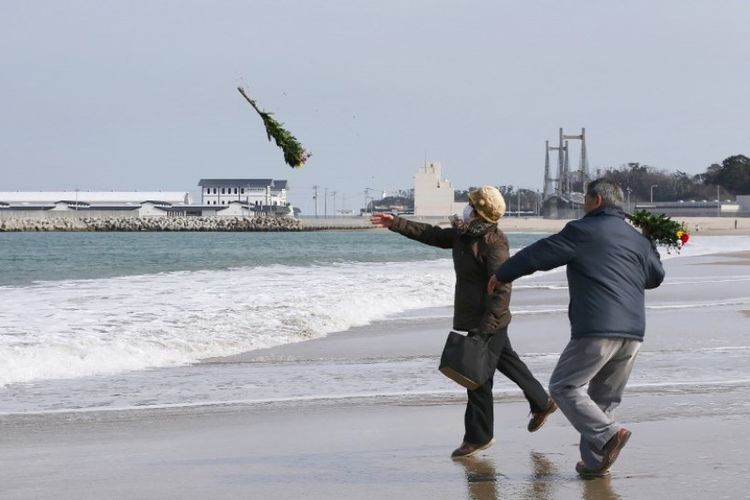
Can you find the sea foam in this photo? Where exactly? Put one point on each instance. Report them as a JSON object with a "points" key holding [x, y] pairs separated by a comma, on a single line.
{"points": [[76, 328]]}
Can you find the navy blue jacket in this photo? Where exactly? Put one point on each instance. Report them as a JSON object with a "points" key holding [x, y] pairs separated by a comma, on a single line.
{"points": [[610, 264]]}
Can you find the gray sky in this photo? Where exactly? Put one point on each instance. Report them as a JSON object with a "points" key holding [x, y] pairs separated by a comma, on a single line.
{"points": [[141, 94]]}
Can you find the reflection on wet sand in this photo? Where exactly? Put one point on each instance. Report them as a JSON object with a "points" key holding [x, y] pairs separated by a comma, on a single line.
{"points": [[599, 489], [481, 478], [542, 479], [542, 483], [485, 483]]}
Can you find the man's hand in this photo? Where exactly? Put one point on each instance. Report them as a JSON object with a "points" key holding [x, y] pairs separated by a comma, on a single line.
{"points": [[493, 284], [381, 220]]}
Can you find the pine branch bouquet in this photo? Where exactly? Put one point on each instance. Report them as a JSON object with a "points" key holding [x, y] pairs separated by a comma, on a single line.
{"points": [[661, 229], [295, 154]]}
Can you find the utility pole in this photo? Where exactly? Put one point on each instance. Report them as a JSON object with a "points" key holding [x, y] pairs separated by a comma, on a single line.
{"points": [[333, 193], [518, 203], [325, 203], [718, 202], [315, 197]]}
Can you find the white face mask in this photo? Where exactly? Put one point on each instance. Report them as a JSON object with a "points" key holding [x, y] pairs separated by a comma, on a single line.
{"points": [[468, 213]]}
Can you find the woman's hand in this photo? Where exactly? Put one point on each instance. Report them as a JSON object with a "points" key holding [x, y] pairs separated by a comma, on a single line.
{"points": [[494, 284], [381, 220]]}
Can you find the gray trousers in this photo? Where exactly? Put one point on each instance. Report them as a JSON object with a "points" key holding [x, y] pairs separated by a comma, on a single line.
{"points": [[587, 384]]}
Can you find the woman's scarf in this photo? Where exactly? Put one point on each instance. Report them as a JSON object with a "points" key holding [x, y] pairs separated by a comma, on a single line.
{"points": [[474, 228]]}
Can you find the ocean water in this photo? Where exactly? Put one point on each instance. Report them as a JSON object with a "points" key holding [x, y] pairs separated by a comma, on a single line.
{"points": [[116, 320], [79, 304]]}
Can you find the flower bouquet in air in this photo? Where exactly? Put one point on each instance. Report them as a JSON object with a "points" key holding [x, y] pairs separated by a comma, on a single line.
{"points": [[295, 155], [661, 229]]}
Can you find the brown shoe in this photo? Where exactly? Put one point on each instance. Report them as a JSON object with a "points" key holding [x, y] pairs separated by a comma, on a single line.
{"points": [[612, 449], [538, 419], [468, 449], [587, 473]]}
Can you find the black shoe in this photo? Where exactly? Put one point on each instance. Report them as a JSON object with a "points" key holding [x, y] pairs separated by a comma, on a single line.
{"points": [[538, 419], [468, 449]]}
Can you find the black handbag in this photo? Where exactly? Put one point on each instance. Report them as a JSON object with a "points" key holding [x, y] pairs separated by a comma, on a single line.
{"points": [[468, 360]]}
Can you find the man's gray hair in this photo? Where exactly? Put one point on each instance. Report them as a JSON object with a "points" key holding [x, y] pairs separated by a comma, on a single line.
{"points": [[610, 192]]}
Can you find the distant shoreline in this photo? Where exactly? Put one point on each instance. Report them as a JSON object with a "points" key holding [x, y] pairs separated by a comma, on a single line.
{"points": [[711, 226], [696, 225]]}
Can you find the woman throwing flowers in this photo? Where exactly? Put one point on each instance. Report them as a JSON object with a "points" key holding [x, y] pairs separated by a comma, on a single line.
{"points": [[479, 247]]}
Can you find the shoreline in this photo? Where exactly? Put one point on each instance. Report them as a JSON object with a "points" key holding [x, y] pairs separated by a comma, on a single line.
{"points": [[704, 226], [719, 226]]}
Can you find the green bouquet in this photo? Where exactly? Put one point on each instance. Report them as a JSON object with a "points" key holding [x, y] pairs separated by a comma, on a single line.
{"points": [[661, 229], [295, 154]]}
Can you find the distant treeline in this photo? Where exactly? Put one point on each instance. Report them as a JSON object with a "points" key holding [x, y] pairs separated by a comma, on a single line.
{"points": [[732, 177]]}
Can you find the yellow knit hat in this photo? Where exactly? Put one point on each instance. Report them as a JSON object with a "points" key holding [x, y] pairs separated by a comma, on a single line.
{"points": [[488, 202]]}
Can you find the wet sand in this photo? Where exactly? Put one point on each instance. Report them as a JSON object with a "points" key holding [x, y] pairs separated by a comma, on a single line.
{"points": [[736, 258], [695, 225], [688, 441], [370, 451]]}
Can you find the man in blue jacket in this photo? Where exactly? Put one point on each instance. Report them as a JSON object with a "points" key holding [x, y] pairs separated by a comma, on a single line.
{"points": [[610, 264]]}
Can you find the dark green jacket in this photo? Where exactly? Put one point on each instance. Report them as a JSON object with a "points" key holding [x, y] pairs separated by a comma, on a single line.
{"points": [[474, 260]]}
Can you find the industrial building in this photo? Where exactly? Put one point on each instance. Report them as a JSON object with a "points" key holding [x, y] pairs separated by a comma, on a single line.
{"points": [[219, 197]]}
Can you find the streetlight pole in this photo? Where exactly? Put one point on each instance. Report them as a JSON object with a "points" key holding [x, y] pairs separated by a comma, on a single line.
{"points": [[628, 190], [652, 192], [315, 197]]}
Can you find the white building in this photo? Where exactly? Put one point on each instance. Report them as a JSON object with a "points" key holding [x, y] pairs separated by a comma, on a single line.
{"points": [[743, 202], [45, 204], [433, 195], [134, 198], [254, 192]]}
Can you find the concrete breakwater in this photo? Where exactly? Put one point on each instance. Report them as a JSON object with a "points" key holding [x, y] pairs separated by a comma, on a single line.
{"points": [[151, 224], [94, 224]]}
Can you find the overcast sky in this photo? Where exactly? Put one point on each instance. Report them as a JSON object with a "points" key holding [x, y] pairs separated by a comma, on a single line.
{"points": [[142, 94]]}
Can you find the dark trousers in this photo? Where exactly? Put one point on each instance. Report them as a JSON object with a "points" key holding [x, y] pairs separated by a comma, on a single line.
{"points": [[479, 417]]}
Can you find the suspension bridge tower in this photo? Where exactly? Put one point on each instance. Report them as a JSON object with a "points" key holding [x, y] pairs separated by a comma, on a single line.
{"points": [[563, 193]]}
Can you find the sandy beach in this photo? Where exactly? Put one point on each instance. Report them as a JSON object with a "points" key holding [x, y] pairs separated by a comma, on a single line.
{"points": [[686, 404], [695, 225]]}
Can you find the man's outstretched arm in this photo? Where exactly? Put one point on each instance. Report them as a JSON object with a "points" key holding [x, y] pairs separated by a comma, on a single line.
{"points": [[543, 255]]}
